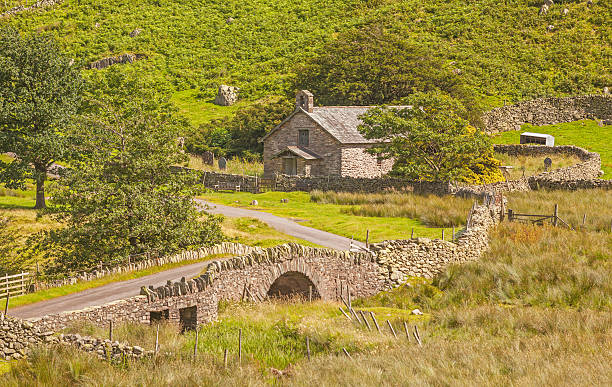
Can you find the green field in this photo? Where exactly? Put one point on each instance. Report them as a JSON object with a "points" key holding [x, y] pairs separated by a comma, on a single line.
{"points": [[333, 218], [586, 134]]}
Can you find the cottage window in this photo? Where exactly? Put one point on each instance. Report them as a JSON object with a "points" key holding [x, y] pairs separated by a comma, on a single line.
{"points": [[303, 139]]}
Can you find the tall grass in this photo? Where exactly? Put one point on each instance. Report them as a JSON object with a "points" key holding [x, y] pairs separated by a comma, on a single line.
{"points": [[431, 210], [596, 204], [235, 166], [534, 310]]}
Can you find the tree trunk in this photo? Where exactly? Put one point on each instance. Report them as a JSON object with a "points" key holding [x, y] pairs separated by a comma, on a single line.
{"points": [[41, 176]]}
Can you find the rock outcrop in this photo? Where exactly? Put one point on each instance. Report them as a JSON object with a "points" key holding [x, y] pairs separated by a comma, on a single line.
{"points": [[112, 60], [226, 95]]}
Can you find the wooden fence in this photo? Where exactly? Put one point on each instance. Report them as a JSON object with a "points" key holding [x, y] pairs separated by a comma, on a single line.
{"points": [[16, 284]]}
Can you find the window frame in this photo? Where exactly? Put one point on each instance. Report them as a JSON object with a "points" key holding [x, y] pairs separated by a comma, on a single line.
{"points": [[299, 141]]}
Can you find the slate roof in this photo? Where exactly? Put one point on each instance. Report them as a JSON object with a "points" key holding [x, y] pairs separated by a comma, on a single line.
{"points": [[299, 151], [339, 121]]}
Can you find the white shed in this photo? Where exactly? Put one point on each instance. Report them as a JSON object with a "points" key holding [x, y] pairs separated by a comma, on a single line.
{"points": [[537, 138]]}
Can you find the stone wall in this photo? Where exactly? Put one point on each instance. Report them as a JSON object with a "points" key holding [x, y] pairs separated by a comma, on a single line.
{"points": [[17, 337], [588, 169], [112, 60], [423, 257], [548, 111], [358, 184], [38, 5], [229, 248], [572, 185], [215, 180]]}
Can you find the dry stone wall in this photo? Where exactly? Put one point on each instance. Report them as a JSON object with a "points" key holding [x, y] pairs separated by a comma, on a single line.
{"points": [[38, 5], [229, 248], [423, 257], [17, 338], [548, 111], [287, 183]]}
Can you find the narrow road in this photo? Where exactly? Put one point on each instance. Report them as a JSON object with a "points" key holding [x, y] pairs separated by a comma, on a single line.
{"points": [[284, 225], [119, 290], [103, 294]]}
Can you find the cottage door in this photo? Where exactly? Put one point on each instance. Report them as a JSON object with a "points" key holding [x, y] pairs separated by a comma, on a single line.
{"points": [[290, 166]]}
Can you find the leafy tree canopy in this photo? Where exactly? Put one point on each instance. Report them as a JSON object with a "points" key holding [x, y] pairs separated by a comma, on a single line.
{"points": [[430, 141], [122, 196], [372, 65], [40, 92], [240, 135]]}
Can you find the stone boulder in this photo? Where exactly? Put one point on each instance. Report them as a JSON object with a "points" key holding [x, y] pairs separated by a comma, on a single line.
{"points": [[226, 95], [135, 33]]}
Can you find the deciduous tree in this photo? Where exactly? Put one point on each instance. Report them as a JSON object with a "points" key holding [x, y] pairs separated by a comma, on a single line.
{"points": [[40, 91], [122, 195], [429, 140]]}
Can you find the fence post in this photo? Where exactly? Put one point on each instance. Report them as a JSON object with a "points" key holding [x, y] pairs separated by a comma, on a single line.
{"points": [[510, 215], [308, 347], [195, 346], [309, 293], [8, 296], [240, 345], [555, 215], [367, 239]]}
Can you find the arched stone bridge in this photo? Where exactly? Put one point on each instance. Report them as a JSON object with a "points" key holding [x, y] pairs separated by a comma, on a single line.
{"points": [[292, 268]]}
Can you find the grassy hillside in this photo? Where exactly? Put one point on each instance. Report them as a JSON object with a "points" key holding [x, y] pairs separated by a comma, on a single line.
{"points": [[502, 50]]}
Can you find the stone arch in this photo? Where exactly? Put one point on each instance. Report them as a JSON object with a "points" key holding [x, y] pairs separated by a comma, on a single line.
{"points": [[292, 283]]}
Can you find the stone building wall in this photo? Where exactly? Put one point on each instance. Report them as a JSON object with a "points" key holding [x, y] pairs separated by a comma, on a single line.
{"points": [[357, 162], [548, 111], [320, 142]]}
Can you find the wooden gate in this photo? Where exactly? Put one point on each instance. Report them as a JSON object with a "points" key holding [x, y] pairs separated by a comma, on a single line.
{"points": [[15, 285]]}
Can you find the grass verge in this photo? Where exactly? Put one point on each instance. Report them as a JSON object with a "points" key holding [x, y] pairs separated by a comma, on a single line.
{"points": [[327, 217]]}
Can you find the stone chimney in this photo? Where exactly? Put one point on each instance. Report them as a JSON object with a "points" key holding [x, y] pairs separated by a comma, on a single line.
{"points": [[305, 100]]}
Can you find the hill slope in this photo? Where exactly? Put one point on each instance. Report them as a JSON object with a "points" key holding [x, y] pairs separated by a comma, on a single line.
{"points": [[502, 50]]}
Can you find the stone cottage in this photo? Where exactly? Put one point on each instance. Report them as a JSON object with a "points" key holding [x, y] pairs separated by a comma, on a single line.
{"points": [[321, 141]]}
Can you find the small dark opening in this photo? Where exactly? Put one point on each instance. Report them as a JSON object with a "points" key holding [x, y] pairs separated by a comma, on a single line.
{"points": [[293, 283], [159, 316], [188, 318]]}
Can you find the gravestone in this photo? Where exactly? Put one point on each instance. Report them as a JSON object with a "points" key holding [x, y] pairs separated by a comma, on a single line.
{"points": [[208, 158], [547, 164], [222, 163]]}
